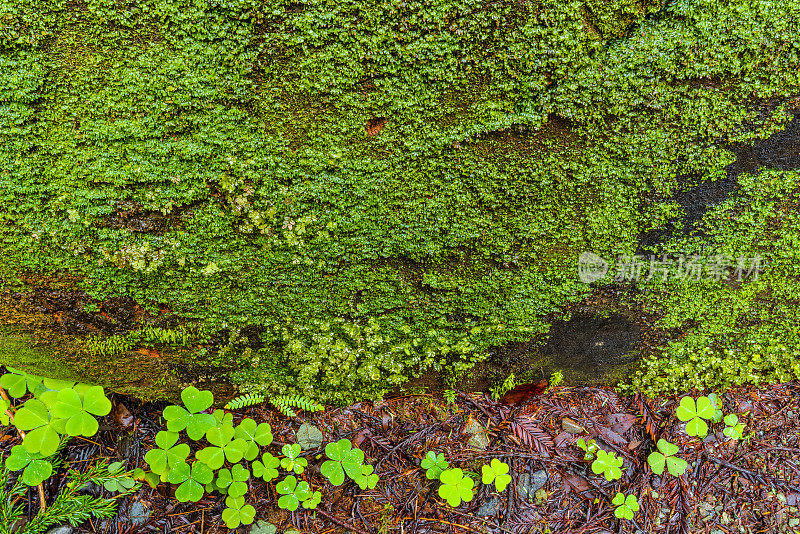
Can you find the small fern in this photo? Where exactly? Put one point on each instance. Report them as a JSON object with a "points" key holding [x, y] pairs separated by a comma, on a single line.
{"points": [[284, 404], [243, 401]]}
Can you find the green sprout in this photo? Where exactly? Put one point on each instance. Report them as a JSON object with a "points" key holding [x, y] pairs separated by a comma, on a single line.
{"points": [[590, 449], [608, 464], [237, 512], [657, 460], [192, 480], [434, 465], [626, 506], [37, 469], [168, 454], [294, 493], [195, 423], [292, 462], [496, 472], [118, 483], [733, 429], [693, 414], [344, 459], [456, 487], [267, 467]]}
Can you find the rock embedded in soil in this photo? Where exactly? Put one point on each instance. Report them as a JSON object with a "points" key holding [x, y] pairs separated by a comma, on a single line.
{"points": [[571, 426]]}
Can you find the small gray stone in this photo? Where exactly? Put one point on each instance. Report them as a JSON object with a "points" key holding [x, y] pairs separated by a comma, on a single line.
{"points": [[524, 487], [139, 513], [571, 426], [64, 529], [309, 436], [538, 480], [489, 507], [479, 439]]}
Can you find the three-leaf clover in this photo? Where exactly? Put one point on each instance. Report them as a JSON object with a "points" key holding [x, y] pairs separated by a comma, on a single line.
{"points": [[626, 506], [192, 480], [367, 479], [267, 467], [608, 464], [657, 460], [239, 478], [292, 462], [37, 469], [195, 423], [292, 493], [224, 446], [253, 435], [590, 448], [118, 483], [343, 459], [434, 464], [77, 410], [733, 429], [35, 417], [496, 472], [693, 414], [18, 383], [237, 512], [456, 487], [168, 454]]}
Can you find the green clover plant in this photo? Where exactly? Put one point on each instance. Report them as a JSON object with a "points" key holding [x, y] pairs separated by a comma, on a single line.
{"points": [[237, 512], [192, 480], [608, 464], [496, 472], [434, 465], [456, 487], [293, 493], [267, 467], [367, 479], [657, 460], [292, 462], [344, 459], [223, 447], [733, 428], [694, 414], [119, 483], [626, 506], [590, 449], [37, 469], [253, 435], [78, 410], [168, 454], [190, 419]]}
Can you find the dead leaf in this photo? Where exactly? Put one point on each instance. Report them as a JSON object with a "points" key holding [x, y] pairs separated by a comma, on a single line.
{"points": [[621, 422], [523, 392], [122, 416]]}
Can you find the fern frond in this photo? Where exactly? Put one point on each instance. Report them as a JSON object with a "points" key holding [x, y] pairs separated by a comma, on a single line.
{"points": [[284, 403], [243, 401]]}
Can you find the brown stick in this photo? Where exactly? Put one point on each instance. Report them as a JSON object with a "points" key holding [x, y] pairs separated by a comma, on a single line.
{"points": [[4, 395], [339, 522]]}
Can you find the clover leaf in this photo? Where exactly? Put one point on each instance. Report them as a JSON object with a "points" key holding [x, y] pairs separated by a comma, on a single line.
{"points": [[35, 417], [590, 449], [367, 479], [343, 459], [253, 436], [191, 479], [77, 410], [733, 429], [716, 402], [657, 460], [496, 472], [455, 487], [196, 424], [626, 506], [292, 493], [693, 414], [237, 512], [118, 482], [168, 454], [37, 469], [292, 462], [267, 468], [239, 478], [608, 464], [225, 447], [434, 465], [18, 383], [4, 406]]}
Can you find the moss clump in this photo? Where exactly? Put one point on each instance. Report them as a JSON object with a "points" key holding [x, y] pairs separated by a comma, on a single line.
{"points": [[224, 158]]}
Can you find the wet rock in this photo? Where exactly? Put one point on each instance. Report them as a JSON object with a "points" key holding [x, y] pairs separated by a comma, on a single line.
{"points": [[478, 438], [489, 507], [538, 480], [139, 513], [571, 426], [64, 529]]}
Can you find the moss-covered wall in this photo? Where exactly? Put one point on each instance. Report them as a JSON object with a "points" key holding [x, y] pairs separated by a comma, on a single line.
{"points": [[342, 193]]}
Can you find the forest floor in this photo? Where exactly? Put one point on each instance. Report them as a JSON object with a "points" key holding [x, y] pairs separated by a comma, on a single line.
{"points": [[731, 486]]}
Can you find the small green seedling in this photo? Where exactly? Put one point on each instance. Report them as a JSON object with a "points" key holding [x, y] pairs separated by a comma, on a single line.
{"points": [[118, 483], [190, 419], [253, 435], [608, 464], [344, 459], [168, 454], [590, 448], [434, 464], [694, 414], [192, 480], [37, 468], [239, 477], [733, 429], [237, 512], [294, 493], [292, 462], [456, 487], [496, 472], [367, 479], [626, 506], [267, 467], [657, 460]]}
